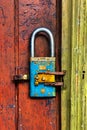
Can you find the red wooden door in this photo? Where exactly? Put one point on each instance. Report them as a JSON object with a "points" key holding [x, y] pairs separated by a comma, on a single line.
{"points": [[18, 18]]}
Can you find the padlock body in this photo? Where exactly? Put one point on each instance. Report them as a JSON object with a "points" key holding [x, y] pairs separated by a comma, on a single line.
{"points": [[39, 65]]}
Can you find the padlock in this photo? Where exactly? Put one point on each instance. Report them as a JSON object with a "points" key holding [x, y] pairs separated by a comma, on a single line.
{"points": [[40, 65]]}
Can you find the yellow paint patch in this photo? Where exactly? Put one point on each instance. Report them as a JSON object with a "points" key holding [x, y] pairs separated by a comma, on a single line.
{"points": [[42, 90], [41, 67], [44, 78]]}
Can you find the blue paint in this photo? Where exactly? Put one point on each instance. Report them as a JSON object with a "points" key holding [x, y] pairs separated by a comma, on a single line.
{"points": [[35, 91]]}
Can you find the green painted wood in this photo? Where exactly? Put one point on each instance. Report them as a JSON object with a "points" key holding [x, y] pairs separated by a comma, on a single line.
{"points": [[66, 64], [84, 97], [75, 79], [74, 38], [77, 87]]}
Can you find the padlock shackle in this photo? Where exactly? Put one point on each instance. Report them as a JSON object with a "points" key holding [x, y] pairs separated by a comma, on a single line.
{"points": [[50, 36]]}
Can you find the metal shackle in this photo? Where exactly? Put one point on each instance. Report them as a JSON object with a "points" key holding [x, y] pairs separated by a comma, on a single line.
{"points": [[50, 36]]}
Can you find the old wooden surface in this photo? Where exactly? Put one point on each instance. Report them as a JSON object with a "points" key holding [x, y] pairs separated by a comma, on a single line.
{"points": [[74, 96], [7, 66], [18, 18], [77, 76], [66, 64], [84, 79], [37, 114], [14, 103], [84, 99]]}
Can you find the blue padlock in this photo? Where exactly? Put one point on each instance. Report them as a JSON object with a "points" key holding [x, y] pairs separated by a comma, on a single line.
{"points": [[38, 67]]}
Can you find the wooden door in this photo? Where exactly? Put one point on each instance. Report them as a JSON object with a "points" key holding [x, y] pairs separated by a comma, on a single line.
{"points": [[18, 18]]}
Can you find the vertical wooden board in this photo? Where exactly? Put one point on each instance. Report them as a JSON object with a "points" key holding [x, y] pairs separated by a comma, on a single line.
{"points": [[66, 64], [82, 43], [7, 88], [78, 53], [36, 114], [85, 90], [84, 98], [77, 65], [85, 126], [74, 69]]}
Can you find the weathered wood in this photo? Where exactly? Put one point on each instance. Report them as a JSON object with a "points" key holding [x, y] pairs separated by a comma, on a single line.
{"points": [[78, 53], [84, 85], [66, 64], [36, 114], [7, 66], [77, 87], [75, 64]]}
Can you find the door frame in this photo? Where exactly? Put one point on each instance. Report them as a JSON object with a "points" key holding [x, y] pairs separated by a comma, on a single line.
{"points": [[74, 55]]}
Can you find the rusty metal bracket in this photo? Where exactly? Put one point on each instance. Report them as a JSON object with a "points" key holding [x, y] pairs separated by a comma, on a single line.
{"points": [[61, 73], [48, 78], [21, 77], [56, 84]]}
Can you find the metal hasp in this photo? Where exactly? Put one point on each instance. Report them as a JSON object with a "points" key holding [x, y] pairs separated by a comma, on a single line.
{"points": [[49, 78], [21, 77], [42, 70], [42, 81]]}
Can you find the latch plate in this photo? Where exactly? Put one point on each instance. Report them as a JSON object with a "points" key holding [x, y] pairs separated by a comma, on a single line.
{"points": [[44, 78]]}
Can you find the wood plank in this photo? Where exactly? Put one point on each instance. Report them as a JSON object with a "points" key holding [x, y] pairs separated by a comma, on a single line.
{"points": [[66, 64], [77, 65], [77, 51], [36, 114], [74, 69], [84, 94], [7, 66]]}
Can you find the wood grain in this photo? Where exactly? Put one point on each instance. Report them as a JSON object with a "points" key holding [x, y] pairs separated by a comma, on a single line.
{"points": [[34, 114], [74, 31], [66, 64], [7, 66]]}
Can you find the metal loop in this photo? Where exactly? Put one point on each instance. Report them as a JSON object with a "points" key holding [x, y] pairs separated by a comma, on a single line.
{"points": [[51, 40]]}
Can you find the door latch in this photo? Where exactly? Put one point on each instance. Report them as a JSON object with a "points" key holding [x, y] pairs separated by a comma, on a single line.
{"points": [[42, 70]]}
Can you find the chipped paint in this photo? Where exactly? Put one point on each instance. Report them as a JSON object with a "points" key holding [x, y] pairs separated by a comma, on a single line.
{"points": [[17, 21], [37, 80], [34, 14], [7, 65]]}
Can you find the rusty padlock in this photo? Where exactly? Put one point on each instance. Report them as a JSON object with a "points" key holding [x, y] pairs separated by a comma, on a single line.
{"points": [[40, 65]]}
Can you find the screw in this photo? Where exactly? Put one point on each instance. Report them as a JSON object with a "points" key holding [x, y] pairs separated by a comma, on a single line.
{"points": [[43, 78], [42, 90]]}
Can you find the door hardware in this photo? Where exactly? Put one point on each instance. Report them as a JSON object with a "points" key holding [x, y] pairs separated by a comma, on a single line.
{"points": [[42, 74]]}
